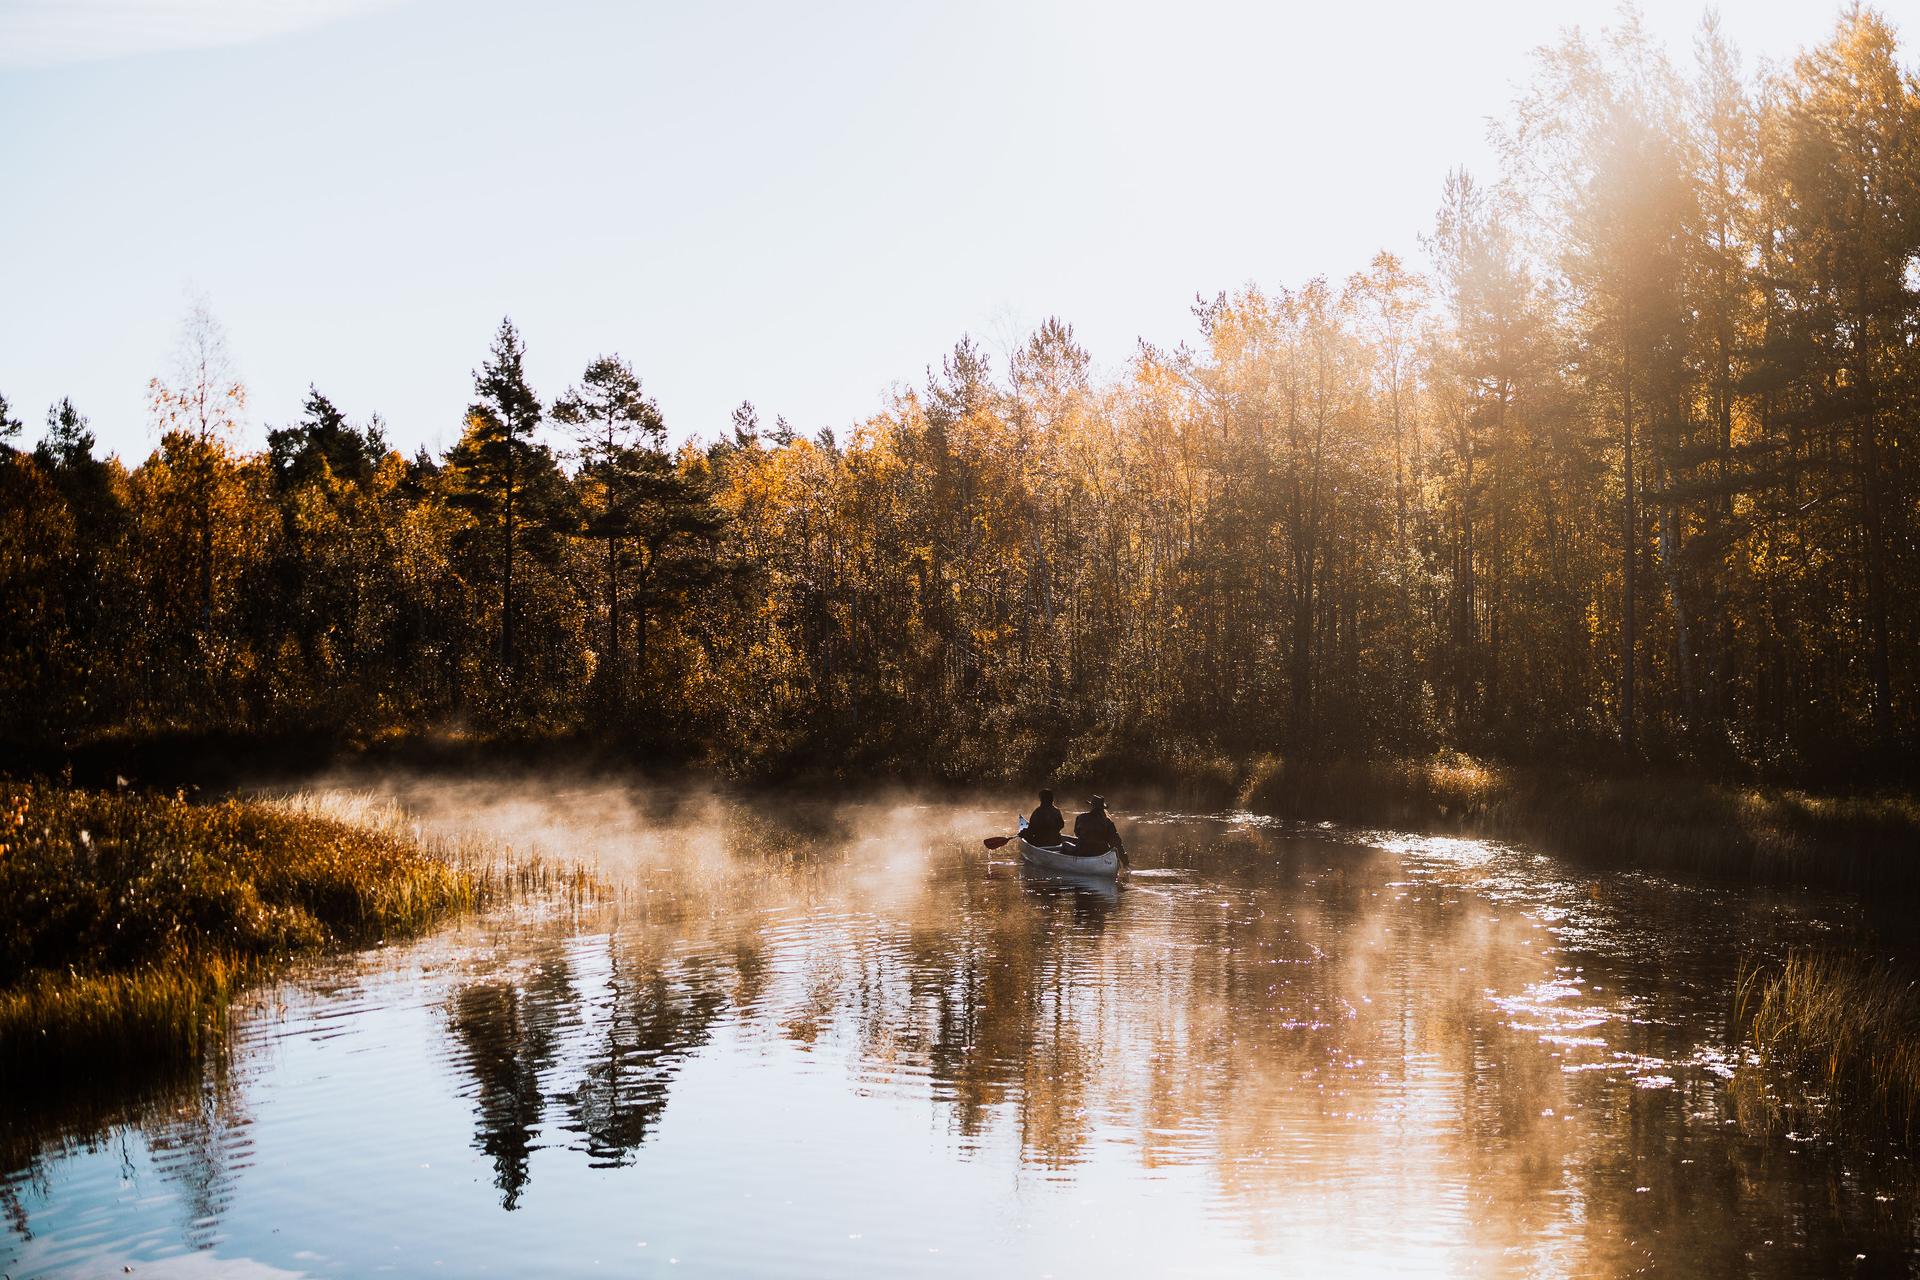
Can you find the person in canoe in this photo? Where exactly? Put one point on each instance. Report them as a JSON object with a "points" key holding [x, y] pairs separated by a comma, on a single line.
{"points": [[1046, 823], [1094, 832]]}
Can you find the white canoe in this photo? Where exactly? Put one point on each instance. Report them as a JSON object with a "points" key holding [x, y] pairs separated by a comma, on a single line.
{"points": [[1104, 865]]}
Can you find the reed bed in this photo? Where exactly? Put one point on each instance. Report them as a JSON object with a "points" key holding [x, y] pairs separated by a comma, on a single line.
{"points": [[128, 921], [1846, 1027]]}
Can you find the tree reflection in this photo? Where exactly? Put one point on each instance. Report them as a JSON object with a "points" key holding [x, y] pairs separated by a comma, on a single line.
{"points": [[191, 1118], [507, 1034], [598, 1036], [654, 1018], [201, 1147]]}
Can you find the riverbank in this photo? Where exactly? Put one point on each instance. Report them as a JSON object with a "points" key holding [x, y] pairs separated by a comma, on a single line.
{"points": [[1751, 834], [1664, 820], [1866, 842], [128, 921]]}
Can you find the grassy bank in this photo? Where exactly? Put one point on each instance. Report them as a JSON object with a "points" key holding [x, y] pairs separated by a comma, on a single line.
{"points": [[127, 921], [1844, 1027]]}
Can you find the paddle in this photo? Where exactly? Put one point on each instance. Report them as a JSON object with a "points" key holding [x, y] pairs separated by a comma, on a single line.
{"points": [[994, 842]]}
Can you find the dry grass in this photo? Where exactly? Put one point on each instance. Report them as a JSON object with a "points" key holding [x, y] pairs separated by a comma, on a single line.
{"points": [[1847, 1027], [128, 921]]}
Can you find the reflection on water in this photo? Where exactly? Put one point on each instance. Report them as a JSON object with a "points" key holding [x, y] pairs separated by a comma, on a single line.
{"points": [[828, 1046]]}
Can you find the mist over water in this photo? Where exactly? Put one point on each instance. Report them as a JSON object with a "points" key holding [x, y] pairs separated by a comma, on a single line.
{"points": [[832, 1035]]}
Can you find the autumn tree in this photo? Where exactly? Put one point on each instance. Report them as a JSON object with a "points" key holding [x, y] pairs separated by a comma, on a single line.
{"points": [[1391, 301], [1722, 123], [1601, 133], [1490, 317], [198, 413]]}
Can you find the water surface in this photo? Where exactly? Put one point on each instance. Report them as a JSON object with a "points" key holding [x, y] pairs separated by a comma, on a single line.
{"points": [[847, 1041]]}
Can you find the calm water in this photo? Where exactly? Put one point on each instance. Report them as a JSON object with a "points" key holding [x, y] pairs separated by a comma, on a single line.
{"points": [[868, 1048]]}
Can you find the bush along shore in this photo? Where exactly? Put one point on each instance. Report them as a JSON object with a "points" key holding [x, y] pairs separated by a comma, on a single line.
{"points": [[1663, 821], [1646, 817], [128, 921], [1750, 834]]}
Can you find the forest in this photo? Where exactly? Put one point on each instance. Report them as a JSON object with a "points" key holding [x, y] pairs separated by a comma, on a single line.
{"points": [[1621, 474]]}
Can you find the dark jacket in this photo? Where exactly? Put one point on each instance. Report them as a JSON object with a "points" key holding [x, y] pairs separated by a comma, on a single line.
{"points": [[1045, 826], [1096, 833]]}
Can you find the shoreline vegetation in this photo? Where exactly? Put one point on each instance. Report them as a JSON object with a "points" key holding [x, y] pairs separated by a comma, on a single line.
{"points": [[1842, 1030], [1751, 831], [129, 921], [1744, 833]]}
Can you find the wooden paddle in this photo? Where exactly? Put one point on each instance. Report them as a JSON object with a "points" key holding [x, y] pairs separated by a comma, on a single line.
{"points": [[994, 842]]}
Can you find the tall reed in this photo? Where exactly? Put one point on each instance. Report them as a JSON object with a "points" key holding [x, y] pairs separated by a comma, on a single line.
{"points": [[1845, 1027]]}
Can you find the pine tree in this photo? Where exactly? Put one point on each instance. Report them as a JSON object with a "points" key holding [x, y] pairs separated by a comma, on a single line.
{"points": [[746, 426], [1846, 167], [323, 438], [1601, 128], [69, 440], [497, 465], [617, 428]]}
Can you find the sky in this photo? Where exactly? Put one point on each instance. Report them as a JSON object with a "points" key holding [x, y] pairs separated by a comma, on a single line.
{"points": [[798, 204]]}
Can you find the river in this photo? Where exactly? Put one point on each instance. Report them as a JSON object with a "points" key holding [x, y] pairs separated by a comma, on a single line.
{"points": [[849, 1041]]}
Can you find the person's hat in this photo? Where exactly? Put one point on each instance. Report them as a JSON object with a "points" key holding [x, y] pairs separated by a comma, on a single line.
{"points": [[1098, 802]]}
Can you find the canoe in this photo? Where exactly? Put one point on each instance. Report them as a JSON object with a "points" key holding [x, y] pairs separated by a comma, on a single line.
{"points": [[1059, 858]]}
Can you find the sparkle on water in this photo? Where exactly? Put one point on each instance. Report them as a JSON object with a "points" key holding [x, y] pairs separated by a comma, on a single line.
{"points": [[844, 1040]]}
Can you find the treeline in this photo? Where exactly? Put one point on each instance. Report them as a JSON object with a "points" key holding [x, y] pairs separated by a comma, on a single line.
{"points": [[1626, 471]]}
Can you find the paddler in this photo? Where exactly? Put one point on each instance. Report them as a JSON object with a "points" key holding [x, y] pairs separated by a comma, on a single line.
{"points": [[1095, 832], [1046, 823]]}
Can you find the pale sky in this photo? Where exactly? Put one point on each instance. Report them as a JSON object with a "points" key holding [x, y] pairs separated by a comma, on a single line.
{"points": [[799, 204]]}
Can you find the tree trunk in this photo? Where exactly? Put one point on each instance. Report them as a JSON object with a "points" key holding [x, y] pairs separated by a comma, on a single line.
{"points": [[1629, 524], [640, 612], [506, 567], [1463, 622], [614, 674], [205, 514]]}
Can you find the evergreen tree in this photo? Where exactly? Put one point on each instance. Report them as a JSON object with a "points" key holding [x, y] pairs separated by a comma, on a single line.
{"points": [[1602, 126], [324, 439], [1846, 169], [746, 426], [497, 467], [617, 429], [69, 441]]}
